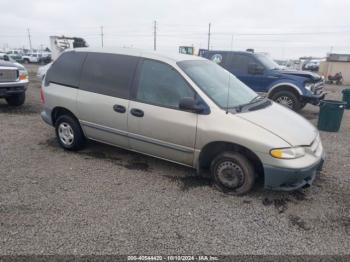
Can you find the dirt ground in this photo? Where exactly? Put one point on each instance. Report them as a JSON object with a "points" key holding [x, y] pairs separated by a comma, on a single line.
{"points": [[105, 200]]}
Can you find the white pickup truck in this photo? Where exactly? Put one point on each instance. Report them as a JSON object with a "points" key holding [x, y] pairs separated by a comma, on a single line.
{"points": [[40, 58]]}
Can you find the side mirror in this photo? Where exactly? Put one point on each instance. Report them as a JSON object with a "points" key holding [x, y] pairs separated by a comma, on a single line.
{"points": [[6, 58], [189, 104], [255, 69]]}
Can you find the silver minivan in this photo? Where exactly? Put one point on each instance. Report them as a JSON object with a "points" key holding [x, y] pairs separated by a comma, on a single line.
{"points": [[180, 108]]}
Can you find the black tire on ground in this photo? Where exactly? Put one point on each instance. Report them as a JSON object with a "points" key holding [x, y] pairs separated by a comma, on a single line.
{"points": [[26, 61], [16, 100], [287, 99], [69, 133], [233, 173]]}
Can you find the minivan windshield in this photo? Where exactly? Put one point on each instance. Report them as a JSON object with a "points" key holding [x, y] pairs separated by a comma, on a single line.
{"points": [[267, 61], [220, 85]]}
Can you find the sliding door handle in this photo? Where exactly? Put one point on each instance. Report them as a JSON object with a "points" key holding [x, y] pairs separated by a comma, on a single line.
{"points": [[137, 112]]}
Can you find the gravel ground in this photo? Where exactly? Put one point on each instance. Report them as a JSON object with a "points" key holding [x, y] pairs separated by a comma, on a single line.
{"points": [[105, 200]]}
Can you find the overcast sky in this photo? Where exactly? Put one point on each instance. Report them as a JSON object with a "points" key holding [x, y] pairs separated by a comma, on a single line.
{"points": [[282, 28]]}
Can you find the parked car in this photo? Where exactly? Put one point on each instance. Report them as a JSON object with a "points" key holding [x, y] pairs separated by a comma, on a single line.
{"points": [[15, 55], [291, 88], [13, 82], [180, 108], [312, 65], [36, 58]]}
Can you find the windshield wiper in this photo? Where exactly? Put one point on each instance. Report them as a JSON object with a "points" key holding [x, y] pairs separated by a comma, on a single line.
{"points": [[255, 99]]}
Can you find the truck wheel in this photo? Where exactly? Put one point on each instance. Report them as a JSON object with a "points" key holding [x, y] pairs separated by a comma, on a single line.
{"points": [[69, 133], [16, 100], [26, 61], [287, 99], [232, 173]]}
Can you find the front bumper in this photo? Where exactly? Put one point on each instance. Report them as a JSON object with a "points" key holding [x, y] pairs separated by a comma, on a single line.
{"points": [[317, 94], [12, 88], [286, 179]]}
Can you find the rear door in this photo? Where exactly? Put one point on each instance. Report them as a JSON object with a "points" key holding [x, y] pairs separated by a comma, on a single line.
{"points": [[238, 65], [103, 96], [156, 124]]}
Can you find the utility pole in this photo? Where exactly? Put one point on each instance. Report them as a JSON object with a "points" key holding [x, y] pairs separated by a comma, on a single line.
{"points": [[102, 36], [155, 36], [30, 41], [209, 37]]}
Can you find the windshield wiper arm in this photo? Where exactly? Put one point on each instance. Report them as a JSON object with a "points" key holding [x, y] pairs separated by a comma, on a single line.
{"points": [[256, 98]]}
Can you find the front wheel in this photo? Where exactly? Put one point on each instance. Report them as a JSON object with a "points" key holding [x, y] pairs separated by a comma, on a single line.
{"points": [[233, 173], [69, 133], [287, 99], [16, 100]]}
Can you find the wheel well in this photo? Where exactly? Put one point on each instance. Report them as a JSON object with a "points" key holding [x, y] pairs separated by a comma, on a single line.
{"points": [[59, 111], [211, 150], [284, 88]]}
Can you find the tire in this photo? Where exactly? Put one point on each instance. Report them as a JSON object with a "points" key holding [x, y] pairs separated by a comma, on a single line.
{"points": [[69, 133], [16, 100], [287, 99], [232, 173], [26, 61]]}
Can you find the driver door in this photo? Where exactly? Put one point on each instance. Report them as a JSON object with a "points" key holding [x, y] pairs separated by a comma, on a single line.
{"points": [[156, 125]]}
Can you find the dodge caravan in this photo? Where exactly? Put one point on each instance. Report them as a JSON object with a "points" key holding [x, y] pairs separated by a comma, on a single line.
{"points": [[180, 108]]}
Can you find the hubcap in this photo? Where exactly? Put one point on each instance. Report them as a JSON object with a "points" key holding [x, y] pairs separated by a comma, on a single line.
{"points": [[230, 174], [65, 133], [285, 101]]}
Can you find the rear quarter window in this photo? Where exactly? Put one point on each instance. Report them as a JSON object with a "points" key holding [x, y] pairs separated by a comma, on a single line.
{"points": [[108, 74], [66, 69]]}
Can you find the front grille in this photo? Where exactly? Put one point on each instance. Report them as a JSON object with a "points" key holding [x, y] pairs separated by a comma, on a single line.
{"points": [[8, 75]]}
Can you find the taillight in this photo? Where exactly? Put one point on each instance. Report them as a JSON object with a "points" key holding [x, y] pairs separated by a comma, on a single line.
{"points": [[42, 97]]}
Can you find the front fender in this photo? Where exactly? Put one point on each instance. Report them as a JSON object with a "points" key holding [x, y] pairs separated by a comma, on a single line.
{"points": [[296, 86]]}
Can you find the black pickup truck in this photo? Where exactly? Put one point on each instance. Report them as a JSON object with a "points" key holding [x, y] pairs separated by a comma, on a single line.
{"points": [[13, 82]]}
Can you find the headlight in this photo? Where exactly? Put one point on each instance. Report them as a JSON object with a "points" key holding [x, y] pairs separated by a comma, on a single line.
{"points": [[288, 153], [23, 75], [309, 86]]}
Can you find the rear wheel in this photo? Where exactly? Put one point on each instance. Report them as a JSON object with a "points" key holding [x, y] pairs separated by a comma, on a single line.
{"points": [[69, 133], [233, 173], [26, 61], [16, 100], [287, 99]]}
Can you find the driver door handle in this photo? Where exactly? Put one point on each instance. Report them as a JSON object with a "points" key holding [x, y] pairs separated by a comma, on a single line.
{"points": [[119, 108], [137, 112]]}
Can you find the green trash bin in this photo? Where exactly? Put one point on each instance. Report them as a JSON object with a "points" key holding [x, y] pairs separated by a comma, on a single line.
{"points": [[346, 97], [331, 114]]}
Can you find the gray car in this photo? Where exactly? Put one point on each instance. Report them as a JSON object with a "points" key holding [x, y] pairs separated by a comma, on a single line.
{"points": [[183, 109]]}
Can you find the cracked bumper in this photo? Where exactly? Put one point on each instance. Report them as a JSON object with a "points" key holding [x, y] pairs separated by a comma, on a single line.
{"points": [[286, 179]]}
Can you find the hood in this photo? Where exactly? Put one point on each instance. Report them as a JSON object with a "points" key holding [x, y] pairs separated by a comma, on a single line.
{"points": [[7, 64], [310, 75], [284, 123], [19, 66], [11, 64]]}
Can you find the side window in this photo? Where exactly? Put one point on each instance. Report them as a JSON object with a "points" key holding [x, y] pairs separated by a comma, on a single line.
{"points": [[108, 74], [239, 63], [160, 84], [66, 69]]}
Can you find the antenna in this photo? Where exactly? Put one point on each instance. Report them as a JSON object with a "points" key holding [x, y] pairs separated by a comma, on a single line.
{"points": [[228, 84]]}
